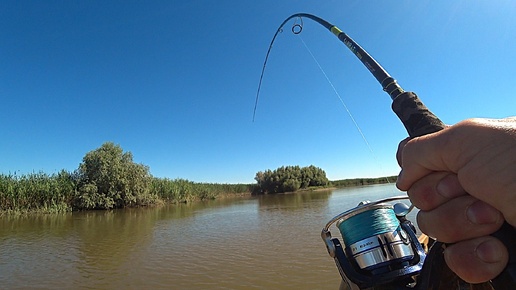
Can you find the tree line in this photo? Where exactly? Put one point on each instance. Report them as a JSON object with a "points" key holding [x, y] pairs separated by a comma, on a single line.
{"points": [[363, 181]]}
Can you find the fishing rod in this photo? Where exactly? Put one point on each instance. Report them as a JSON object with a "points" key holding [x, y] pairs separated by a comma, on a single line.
{"points": [[380, 248], [418, 120]]}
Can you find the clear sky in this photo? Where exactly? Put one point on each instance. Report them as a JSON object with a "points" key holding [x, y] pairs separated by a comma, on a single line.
{"points": [[174, 82]]}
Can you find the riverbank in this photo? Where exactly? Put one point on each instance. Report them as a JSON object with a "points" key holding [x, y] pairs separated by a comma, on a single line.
{"points": [[345, 183], [59, 193], [56, 193], [363, 181]]}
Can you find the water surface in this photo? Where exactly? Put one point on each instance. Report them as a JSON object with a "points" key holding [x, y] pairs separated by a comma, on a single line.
{"points": [[265, 242]]}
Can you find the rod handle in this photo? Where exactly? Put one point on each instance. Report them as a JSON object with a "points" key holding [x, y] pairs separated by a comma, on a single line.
{"points": [[415, 116]]}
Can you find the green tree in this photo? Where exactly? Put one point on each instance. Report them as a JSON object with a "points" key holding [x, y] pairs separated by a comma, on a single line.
{"points": [[108, 178], [289, 178], [314, 176]]}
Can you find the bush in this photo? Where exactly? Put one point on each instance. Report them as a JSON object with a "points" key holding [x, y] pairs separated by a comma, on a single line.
{"points": [[108, 178]]}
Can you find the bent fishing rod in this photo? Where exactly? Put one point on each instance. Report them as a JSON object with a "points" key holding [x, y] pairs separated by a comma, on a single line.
{"points": [[418, 121]]}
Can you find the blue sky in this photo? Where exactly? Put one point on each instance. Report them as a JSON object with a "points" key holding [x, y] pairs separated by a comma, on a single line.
{"points": [[174, 82]]}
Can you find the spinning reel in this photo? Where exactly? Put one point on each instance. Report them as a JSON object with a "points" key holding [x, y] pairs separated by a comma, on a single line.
{"points": [[380, 246], [381, 252]]}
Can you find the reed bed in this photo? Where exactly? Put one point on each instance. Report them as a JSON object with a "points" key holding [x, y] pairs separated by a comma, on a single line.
{"points": [[55, 193], [36, 192], [182, 190]]}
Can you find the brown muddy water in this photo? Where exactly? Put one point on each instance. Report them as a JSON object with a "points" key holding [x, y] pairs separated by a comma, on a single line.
{"points": [[266, 242]]}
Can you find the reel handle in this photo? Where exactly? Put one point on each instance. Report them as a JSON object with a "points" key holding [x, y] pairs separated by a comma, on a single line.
{"points": [[419, 121]]}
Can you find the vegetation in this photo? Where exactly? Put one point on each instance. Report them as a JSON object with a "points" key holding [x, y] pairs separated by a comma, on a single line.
{"points": [[289, 178], [183, 191], [108, 178], [36, 192], [363, 181]]}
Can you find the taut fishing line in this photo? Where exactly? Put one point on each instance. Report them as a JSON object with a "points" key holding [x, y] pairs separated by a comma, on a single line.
{"points": [[340, 98], [296, 29], [337, 93]]}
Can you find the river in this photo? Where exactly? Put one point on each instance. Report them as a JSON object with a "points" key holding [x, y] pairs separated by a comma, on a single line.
{"points": [[264, 242]]}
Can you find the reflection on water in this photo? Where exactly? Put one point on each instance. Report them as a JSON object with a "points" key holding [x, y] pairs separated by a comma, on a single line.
{"points": [[265, 242]]}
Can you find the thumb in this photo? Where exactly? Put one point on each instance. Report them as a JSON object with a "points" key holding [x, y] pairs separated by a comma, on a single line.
{"points": [[477, 260]]}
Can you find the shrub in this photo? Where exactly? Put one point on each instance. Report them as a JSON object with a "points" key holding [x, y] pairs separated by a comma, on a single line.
{"points": [[108, 178]]}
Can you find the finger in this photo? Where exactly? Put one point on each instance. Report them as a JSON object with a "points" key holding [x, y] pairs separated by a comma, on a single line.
{"points": [[477, 260], [400, 149], [435, 189], [494, 181], [421, 156], [461, 218]]}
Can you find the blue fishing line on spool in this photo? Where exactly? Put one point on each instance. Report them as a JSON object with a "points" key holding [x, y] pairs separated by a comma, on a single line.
{"points": [[367, 224]]}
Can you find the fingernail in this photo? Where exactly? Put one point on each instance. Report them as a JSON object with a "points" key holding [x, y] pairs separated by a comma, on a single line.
{"points": [[444, 188], [489, 252], [481, 213], [449, 187]]}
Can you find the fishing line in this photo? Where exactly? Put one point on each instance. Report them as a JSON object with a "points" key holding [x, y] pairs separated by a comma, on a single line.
{"points": [[338, 95]]}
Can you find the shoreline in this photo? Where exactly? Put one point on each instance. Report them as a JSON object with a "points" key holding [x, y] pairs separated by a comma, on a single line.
{"points": [[191, 196]]}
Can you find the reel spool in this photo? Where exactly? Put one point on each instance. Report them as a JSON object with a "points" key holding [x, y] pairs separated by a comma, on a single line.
{"points": [[380, 246]]}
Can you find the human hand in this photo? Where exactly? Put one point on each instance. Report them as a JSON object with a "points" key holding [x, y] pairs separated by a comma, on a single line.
{"points": [[463, 179]]}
